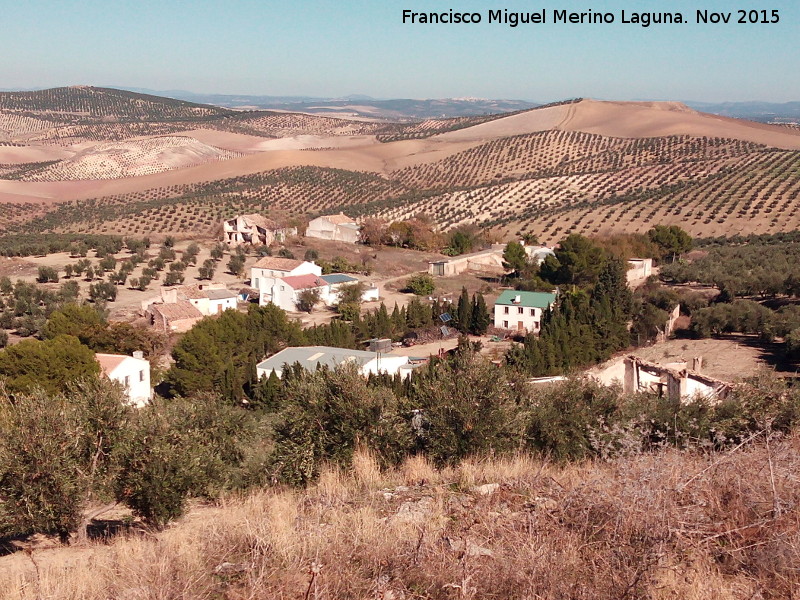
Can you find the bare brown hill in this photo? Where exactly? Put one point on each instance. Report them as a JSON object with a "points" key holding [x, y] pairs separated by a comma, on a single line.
{"points": [[629, 120], [586, 166]]}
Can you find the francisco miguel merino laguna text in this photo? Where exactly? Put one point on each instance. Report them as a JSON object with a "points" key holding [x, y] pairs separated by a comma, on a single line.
{"points": [[643, 19]]}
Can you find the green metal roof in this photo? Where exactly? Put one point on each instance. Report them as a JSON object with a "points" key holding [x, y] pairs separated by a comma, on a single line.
{"points": [[527, 299]]}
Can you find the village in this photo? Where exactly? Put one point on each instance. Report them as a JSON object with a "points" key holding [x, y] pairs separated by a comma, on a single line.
{"points": [[375, 277]]}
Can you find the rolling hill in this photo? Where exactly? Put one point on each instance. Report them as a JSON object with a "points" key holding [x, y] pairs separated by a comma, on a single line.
{"points": [[95, 159]]}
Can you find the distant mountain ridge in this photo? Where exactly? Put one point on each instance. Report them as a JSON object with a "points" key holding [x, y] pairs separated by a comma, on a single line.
{"points": [[357, 105], [763, 112]]}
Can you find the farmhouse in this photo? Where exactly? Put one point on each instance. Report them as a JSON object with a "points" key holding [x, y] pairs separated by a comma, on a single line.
{"points": [[208, 298], [173, 317], [334, 283], [179, 308], [133, 372], [254, 229], [285, 292], [339, 228], [265, 274], [521, 311], [312, 357]]}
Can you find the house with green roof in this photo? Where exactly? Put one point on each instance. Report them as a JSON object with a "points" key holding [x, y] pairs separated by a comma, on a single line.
{"points": [[521, 311]]}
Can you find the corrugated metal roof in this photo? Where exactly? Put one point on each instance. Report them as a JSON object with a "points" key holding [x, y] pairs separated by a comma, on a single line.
{"points": [[310, 357], [527, 299], [338, 278], [219, 294]]}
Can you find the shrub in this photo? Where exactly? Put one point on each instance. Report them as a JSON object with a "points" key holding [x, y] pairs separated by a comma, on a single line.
{"points": [[103, 291], [47, 274], [327, 415], [206, 270], [40, 468], [308, 299], [421, 284], [236, 265], [176, 449]]}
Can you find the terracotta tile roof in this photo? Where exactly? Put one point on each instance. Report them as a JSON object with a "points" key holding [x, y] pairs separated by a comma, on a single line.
{"points": [[277, 263], [303, 282], [177, 311], [191, 292], [260, 221], [339, 219], [109, 362]]}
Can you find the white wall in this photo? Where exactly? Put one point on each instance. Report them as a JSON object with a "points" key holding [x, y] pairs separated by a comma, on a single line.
{"points": [[217, 306], [386, 364], [263, 279], [531, 317], [134, 375]]}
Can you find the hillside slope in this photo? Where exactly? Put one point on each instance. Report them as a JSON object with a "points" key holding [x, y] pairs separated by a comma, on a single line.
{"points": [[580, 165]]}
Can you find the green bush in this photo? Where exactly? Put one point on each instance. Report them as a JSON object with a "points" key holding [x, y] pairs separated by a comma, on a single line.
{"points": [[175, 450], [467, 407], [421, 284], [326, 415]]}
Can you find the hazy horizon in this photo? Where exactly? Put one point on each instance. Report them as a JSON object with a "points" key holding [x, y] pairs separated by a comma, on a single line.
{"points": [[318, 49]]}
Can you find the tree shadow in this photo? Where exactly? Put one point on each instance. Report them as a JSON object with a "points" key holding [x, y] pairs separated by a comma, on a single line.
{"points": [[772, 353]]}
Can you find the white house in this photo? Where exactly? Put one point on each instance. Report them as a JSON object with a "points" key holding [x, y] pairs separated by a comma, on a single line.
{"points": [[521, 311], [334, 283], [219, 300], [254, 229], [268, 270], [311, 357], [538, 254], [285, 292], [133, 372], [339, 228], [178, 308]]}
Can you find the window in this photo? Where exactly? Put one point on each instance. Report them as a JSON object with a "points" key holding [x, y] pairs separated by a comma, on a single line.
{"points": [[505, 310], [127, 381], [141, 375], [505, 324], [521, 310], [533, 312]]}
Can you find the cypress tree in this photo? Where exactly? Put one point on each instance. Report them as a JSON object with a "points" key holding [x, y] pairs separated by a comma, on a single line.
{"points": [[480, 315], [464, 311]]}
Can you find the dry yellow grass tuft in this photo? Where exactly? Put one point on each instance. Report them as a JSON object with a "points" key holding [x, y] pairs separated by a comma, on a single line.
{"points": [[666, 525]]}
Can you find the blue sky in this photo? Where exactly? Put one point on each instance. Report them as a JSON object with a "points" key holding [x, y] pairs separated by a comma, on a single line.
{"points": [[335, 48]]}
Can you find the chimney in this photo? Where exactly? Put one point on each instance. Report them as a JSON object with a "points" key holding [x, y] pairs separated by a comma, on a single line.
{"points": [[517, 299], [697, 364], [138, 354]]}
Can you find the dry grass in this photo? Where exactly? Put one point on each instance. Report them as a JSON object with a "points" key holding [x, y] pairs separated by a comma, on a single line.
{"points": [[670, 525]]}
